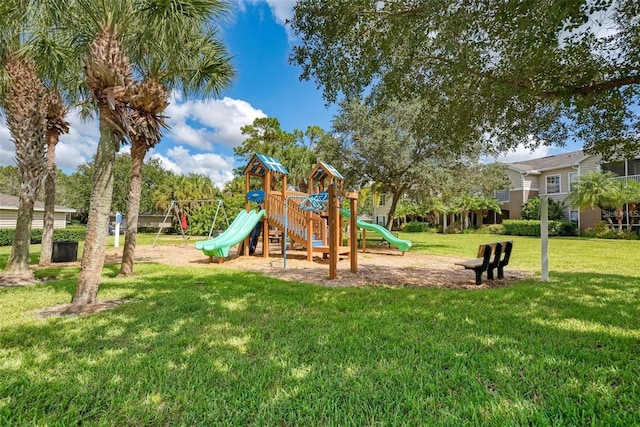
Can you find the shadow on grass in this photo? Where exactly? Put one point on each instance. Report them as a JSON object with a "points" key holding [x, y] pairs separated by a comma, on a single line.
{"points": [[222, 347]]}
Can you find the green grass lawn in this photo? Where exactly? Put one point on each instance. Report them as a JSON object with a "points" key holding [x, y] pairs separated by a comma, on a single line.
{"points": [[218, 347]]}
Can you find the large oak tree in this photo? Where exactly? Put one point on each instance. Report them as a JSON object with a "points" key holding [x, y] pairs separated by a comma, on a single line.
{"points": [[502, 72]]}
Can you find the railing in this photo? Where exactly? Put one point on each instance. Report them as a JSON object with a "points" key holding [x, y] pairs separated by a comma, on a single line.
{"points": [[298, 222], [628, 178]]}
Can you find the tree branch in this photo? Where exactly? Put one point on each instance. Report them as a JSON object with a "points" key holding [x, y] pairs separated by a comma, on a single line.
{"points": [[602, 86]]}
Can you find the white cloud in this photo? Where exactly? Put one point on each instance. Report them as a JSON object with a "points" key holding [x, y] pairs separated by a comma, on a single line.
{"points": [[282, 10], [7, 149], [180, 161], [519, 154], [201, 124], [80, 144], [76, 147]]}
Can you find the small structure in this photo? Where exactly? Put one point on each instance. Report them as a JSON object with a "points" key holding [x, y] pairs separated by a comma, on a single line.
{"points": [[268, 170], [322, 175], [9, 213]]}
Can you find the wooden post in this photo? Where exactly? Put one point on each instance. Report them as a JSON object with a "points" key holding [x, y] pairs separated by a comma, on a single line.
{"points": [[333, 233], [309, 225], [265, 238], [364, 240], [353, 231], [247, 207]]}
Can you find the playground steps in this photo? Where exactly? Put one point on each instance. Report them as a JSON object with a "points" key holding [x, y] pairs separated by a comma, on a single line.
{"points": [[324, 249], [298, 222]]}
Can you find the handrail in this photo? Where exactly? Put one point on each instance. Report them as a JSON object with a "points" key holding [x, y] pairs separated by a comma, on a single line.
{"points": [[298, 221]]}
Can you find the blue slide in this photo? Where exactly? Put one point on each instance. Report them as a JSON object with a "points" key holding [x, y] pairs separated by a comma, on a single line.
{"points": [[401, 244], [240, 228]]}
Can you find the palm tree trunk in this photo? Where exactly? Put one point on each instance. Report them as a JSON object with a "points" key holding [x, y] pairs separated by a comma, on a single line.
{"points": [[19, 259], [25, 108], [99, 209], [619, 218], [49, 200], [138, 151]]}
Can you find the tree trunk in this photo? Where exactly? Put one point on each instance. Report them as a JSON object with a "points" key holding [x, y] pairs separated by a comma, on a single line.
{"points": [[619, 218], [392, 209], [49, 201], [19, 259], [99, 209], [138, 151]]}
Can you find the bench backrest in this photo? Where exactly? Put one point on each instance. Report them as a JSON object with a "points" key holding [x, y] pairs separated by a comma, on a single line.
{"points": [[506, 250], [505, 246], [486, 255]]}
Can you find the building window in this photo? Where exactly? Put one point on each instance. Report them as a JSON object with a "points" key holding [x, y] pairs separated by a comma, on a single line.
{"points": [[381, 220], [502, 195], [617, 168], [633, 167], [383, 200], [553, 184], [573, 180], [573, 216]]}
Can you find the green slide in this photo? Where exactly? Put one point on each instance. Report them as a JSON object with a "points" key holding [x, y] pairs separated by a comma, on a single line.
{"points": [[240, 228], [401, 244]]}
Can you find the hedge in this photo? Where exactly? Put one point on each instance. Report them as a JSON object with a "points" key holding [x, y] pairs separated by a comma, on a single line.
{"points": [[531, 227], [416, 227], [74, 233]]}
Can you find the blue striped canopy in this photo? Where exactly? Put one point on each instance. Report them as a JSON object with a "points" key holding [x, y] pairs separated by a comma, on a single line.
{"points": [[260, 163], [323, 169]]}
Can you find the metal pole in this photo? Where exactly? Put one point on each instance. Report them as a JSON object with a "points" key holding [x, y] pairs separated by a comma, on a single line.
{"points": [[173, 202], [215, 216], [544, 238]]}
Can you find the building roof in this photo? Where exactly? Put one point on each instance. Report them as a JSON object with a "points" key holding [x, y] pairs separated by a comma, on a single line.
{"points": [[556, 161], [8, 202], [323, 170], [259, 164]]}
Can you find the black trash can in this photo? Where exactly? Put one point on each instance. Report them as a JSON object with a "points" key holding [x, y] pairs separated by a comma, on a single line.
{"points": [[64, 251]]}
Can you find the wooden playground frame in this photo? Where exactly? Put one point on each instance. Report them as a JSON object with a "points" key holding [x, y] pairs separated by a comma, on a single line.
{"points": [[323, 177]]}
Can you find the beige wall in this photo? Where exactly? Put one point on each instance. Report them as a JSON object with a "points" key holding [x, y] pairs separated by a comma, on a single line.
{"points": [[590, 164], [381, 210], [514, 206], [515, 178], [9, 217], [588, 218]]}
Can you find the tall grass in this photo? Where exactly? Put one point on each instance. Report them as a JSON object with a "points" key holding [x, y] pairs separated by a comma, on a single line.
{"points": [[219, 347]]}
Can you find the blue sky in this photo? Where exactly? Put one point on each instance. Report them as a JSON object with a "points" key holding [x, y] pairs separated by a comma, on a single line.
{"points": [[203, 133]]}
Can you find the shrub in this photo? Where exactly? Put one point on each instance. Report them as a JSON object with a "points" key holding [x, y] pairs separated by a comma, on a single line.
{"points": [[531, 209], [74, 233], [531, 227], [416, 227], [601, 230], [453, 228], [496, 229]]}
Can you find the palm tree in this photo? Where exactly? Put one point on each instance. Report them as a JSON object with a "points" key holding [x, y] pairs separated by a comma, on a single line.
{"points": [[117, 30], [464, 204], [56, 126], [486, 203], [632, 197], [23, 97], [110, 81], [147, 123], [24, 101], [595, 190]]}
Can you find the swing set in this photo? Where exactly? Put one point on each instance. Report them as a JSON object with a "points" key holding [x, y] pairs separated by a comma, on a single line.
{"points": [[176, 207]]}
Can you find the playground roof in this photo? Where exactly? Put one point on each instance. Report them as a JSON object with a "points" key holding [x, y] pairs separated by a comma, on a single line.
{"points": [[323, 170], [260, 163]]}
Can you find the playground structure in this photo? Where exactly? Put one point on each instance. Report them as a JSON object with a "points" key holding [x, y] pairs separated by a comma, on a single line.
{"points": [[312, 221]]}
